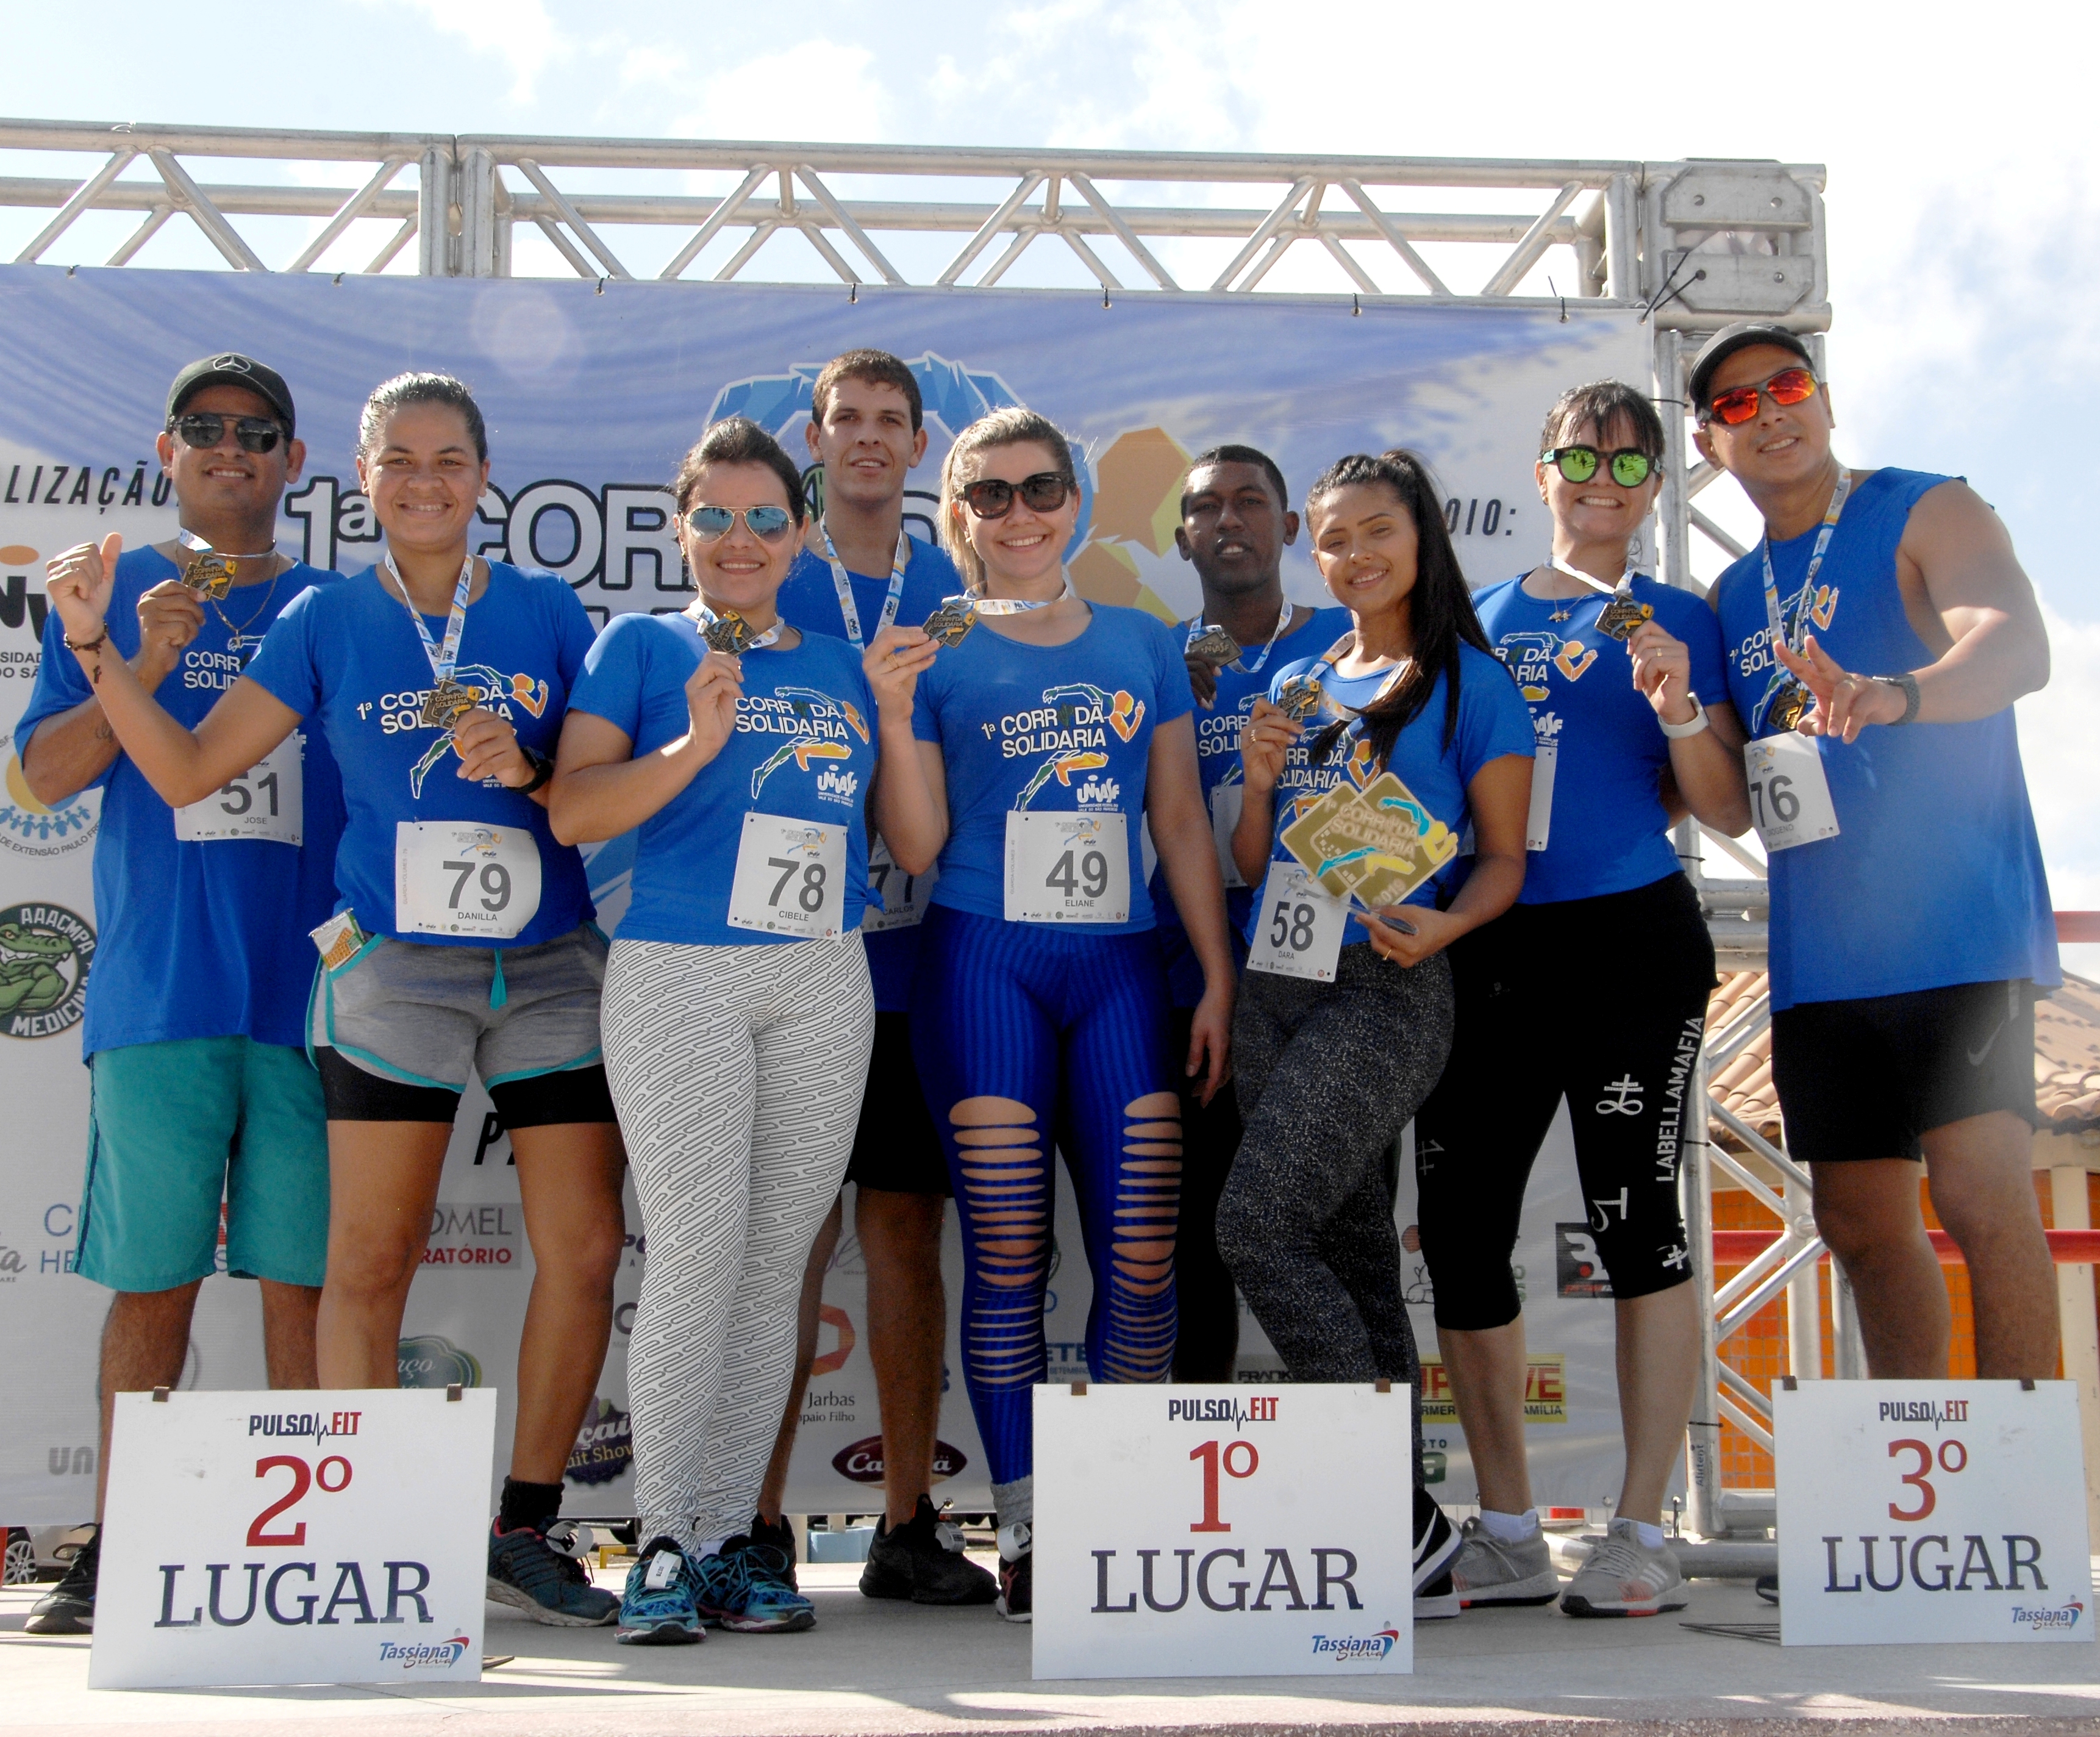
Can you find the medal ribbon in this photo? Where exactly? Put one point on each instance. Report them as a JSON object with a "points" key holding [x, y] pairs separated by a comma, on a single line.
{"points": [[842, 582], [707, 618], [197, 545], [1196, 627], [1011, 605], [442, 662], [1624, 588], [1782, 635]]}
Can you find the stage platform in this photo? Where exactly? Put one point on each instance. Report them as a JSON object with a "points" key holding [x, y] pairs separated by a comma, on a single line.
{"points": [[885, 1670]]}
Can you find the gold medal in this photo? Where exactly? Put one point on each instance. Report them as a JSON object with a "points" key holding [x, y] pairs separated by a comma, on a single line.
{"points": [[1299, 698], [1622, 616], [1214, 645], [1789, 708], [445, 704], [950, 625], [728, 633], [210, 576]]}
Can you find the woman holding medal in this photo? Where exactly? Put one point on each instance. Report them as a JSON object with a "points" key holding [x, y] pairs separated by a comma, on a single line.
{"points": [[462, 941], [1592, 988], [738, 1011], [1039, 1014], [1345, 1011]]}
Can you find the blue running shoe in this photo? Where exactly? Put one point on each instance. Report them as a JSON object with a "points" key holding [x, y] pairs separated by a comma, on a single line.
{"points": [[747, 1588], [529, 1574], [658, 1609]]}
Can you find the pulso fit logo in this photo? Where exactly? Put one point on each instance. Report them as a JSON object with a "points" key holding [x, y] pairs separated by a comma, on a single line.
{"points": [[45, 953]]}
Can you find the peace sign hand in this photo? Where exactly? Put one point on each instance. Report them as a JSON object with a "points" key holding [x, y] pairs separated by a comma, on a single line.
{"points": [[1845, 703]]}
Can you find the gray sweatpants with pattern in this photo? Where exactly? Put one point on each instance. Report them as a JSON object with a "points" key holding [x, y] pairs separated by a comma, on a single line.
{"points": [[1328, 1075]]}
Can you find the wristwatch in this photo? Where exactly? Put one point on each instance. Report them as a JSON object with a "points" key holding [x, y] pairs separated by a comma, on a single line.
{"points": [[543, 769], [1908, 683], [1691, 726]]}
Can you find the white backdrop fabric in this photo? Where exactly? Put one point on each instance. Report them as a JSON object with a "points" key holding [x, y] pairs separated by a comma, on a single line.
{"points": [[592, 393]]}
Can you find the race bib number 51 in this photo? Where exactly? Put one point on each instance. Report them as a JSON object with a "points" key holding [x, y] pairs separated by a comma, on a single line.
{"points": [[1067, 868], [453, 878], [267, 801], [791, 877], [1789, 797]]}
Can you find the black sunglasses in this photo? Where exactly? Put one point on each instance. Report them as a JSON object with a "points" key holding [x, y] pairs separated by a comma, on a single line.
{"points": [[207, 428], [1045, 492]]}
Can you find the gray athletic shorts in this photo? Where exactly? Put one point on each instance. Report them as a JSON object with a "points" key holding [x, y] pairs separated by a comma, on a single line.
{"points": [[434, 1015]]}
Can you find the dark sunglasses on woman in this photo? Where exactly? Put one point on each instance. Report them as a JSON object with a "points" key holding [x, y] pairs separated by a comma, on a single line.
{"points": [[1045, 492]]}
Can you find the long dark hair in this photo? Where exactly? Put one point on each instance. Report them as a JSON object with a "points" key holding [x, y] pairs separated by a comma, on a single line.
{"points": [[1440, 607]]}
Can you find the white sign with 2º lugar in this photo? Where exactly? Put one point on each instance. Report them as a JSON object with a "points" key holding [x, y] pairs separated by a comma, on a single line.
{"points": [[294, 1537]]}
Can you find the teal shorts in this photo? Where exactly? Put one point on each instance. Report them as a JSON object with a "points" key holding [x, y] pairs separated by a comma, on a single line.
{"points": [[175, 1127]]}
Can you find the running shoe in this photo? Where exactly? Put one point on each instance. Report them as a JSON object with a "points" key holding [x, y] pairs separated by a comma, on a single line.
{"points": [[1435, 1541], [746, 1586], [527, 1573], [658, 1609], [1623, 1577], [779, 1535], [923, 1560], [1766, 1588], [1016, 1572], [1438, 1600], [68, 1607], [1492, 1570]]}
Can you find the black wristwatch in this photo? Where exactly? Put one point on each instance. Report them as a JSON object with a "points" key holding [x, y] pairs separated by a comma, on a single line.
{"points": [[543, 769], [1908, 683]]}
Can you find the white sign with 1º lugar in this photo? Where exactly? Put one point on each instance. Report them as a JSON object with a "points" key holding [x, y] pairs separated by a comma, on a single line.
{"points": [[294, 1537], [1223, 1531], [1931, 1511]]}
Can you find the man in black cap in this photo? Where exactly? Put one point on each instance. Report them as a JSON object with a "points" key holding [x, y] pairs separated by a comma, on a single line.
{"points": [[1876, 641], [194, 1025]]}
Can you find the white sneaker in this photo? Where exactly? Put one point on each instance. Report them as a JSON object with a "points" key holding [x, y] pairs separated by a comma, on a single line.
{"points": [[1624, 1578], [1492, 1570]]}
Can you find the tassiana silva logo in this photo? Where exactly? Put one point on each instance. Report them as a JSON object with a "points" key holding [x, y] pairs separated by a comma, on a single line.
{"points": [[423, 1655], [430, 1360], [1354, 1649], [28, 827], [45, 953], [2064, 1616]]}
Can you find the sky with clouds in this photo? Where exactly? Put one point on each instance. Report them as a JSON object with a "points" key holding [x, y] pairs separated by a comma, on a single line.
{"points": [[1964, 203]]}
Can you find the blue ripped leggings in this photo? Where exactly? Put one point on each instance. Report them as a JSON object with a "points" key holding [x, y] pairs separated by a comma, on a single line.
{"points": [[1021, 1030]]}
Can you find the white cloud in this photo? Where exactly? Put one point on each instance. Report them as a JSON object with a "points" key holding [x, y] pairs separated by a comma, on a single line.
{"points": [[2057, 736], [819, 90], [518, 32]]}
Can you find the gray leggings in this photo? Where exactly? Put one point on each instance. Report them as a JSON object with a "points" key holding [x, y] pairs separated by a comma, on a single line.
{"points": [[1328, 1074]]}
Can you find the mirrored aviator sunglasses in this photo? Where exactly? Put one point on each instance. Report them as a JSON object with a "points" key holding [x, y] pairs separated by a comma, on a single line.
{"points": [[1739, 404], [769, 524], [990, 497], [203, 429], [1628, 466]]}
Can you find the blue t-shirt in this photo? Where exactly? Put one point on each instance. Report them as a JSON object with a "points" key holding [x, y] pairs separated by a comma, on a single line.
{"points": [[349, 654], [1218, 763], [1492, 723], [1609, 833], [198, 939], [1047, 729], [1935, 876], [810, 598], [803, 748]]}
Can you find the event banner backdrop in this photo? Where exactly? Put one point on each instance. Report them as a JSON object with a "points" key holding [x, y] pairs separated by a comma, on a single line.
{"points": [[592, 393]]}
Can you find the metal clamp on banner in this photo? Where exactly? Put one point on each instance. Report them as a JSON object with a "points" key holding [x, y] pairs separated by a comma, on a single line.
{"points": [[452, 1393], [1079, 1390], [159, 1396]]}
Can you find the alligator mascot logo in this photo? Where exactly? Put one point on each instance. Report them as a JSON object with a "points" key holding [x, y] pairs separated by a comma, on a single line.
{"points": [[45, 952]]}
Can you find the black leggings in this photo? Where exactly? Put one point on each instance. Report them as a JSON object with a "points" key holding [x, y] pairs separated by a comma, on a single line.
{"points": [[1602, 1002], [1207, 1336]]}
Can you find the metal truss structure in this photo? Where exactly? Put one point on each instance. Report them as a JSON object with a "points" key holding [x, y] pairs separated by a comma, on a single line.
{"points": [[1693, 244]]}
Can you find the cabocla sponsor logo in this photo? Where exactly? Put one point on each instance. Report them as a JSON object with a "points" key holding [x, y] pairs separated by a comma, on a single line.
{"points": [[861, 1461], [45, 953]]}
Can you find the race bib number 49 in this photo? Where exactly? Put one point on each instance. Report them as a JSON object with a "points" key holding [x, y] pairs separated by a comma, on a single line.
{"points": [[791, 877], [453, 878], [266, 802], [1067, 868]]}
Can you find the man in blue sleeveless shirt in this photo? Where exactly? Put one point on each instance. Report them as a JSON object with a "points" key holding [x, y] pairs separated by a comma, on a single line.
{"points": [[1876, 641]]}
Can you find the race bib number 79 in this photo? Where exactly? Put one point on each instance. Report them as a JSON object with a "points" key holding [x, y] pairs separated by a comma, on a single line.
{"points": [[452, 878]]}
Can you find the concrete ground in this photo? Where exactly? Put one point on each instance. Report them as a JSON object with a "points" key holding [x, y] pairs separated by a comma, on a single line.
{"points": [[873, 1669]]}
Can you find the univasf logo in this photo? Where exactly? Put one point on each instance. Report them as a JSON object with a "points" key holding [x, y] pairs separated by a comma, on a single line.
{"points": [[45, 953]]}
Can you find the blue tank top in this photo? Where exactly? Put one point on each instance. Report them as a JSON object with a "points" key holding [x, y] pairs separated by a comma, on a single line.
{"points": [[1936, 876]]}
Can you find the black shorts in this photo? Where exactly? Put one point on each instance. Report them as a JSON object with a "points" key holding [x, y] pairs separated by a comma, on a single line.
{"points": [[1870, 1078], [540, 1100], [895, 1146]]}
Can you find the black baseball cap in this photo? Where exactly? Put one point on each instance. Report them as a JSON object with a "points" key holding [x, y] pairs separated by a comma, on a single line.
{"points": [[1742, 336], [231, 368]]}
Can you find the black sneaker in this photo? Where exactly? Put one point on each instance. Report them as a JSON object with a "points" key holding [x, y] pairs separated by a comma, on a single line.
{"points": [[68, 1607], [1016, 1572], [923, 1560], [1438, 1600], [527, 1573], [1437, 1542], [1766, 1587], [781, 1535]]}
